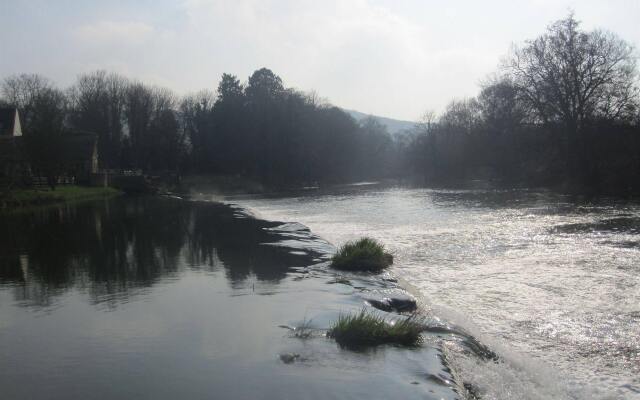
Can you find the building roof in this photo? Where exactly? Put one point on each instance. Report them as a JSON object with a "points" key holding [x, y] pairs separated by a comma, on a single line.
{"points": [[7, 121]]}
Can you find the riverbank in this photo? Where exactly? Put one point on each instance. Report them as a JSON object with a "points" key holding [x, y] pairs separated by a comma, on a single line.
{"points": [[25, 198]]}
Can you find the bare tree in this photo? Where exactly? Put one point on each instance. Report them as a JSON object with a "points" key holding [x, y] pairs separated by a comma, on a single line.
{"points": [[196, 120], [45, 146], [21, 91], [571, 76], [427, 123], [138, 114], [502, 109], [461, 116], [155, 141], [98, 101], [169, 141]]}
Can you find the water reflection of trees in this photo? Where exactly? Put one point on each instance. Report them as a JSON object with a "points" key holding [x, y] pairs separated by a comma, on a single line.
{"points": [[239, 244], [114, 248]]}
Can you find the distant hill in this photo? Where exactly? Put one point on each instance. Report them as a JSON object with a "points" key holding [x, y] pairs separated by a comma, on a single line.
{"points": [[393, 125]]}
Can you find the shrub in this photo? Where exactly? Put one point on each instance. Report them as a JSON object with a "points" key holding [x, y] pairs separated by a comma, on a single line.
{"points": [[365, 254], [366, 329]]}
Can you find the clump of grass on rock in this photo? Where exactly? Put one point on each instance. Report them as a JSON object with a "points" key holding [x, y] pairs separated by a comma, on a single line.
{"points": [[365, 254], [365, 329]]}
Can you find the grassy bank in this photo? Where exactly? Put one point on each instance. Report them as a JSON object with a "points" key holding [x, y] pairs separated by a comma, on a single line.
{"points": [[23, 198]]}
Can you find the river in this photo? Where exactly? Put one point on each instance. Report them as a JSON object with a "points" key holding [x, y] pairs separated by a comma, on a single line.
{"points": [[550, 282], [164, 298], [148, 297]]}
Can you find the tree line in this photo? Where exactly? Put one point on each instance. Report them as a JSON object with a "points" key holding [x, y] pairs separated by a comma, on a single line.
{"points": [[259, 129], [562, 108]]}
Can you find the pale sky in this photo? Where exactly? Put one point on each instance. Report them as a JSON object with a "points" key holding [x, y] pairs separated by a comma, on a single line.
{"points": [[392, 58]]}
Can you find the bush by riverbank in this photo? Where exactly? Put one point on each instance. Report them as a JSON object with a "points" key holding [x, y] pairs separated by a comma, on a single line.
{"points": [[22, 198]]}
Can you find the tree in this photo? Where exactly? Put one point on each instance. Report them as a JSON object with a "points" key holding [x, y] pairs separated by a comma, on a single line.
{"points": [[21, 91], [263, 85], [229, 89], [376, 149], [427, 123], [229, 144], [138, 113], [98, 102], [501, 108], [461, 117], [196, 111], [167, 142], [264, 94], [569, 77], [44, 140], [155, 141]]}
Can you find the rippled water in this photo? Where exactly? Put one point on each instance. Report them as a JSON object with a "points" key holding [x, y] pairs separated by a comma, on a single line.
{"points": [[552, 283]]}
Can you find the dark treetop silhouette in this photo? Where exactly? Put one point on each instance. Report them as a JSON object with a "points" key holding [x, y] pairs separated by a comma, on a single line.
{"points": [[562, 109]]}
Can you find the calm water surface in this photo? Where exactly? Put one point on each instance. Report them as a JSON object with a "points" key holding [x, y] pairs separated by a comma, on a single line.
{"points": [[552, 283], [154, 298]]}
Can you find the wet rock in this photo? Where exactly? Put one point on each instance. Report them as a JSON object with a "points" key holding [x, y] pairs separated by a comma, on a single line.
{"points": [[438, 379], [473, 393], [380, 304], [340, 279], [397, 304], [289, 358], [290, 227], [479, 349]]}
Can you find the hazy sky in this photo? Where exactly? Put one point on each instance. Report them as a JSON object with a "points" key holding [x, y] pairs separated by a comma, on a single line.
{"points": [[393, 58]]}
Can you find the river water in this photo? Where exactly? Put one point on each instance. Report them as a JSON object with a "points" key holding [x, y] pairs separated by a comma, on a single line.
{"points": [[163, 298], [549, 282]]}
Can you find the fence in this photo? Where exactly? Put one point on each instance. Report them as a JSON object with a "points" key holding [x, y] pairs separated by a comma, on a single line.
{"points": [[41, 181]]}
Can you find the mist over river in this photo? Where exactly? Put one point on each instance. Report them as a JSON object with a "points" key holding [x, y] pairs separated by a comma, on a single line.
{"points": [[550, 282]]}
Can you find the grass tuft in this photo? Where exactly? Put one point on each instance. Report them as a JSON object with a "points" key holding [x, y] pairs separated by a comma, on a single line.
{"points": [[365, 254], [365, 329], [304, 330]]}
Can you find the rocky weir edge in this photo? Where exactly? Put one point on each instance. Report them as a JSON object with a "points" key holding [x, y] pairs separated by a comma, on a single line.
{"points": [[383, 293]]}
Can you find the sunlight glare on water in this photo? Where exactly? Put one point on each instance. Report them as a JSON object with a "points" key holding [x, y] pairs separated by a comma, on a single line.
{"points": [[552, 281]]}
